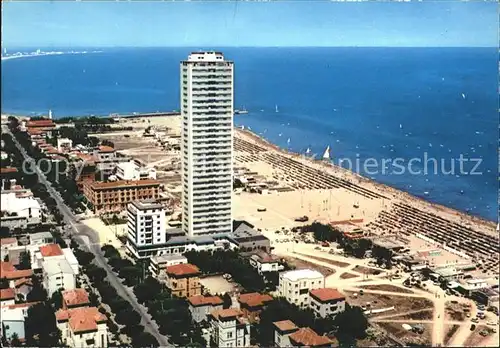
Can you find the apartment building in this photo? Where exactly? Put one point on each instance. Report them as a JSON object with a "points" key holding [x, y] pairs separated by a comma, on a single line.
{"points": [[146, 224], [132, 170], [229, 328], [264, 262], [207, 143], [82, 327], [252, 304], [326, 302], [13, 319], [282, 331], [183, 280], [21, 203], [159, 264], [295, 285], [201, 306], [57, 274], [113, 197]]}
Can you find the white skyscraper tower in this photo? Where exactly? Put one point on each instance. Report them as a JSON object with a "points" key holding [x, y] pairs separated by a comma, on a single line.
{"points": [[207, 143]]}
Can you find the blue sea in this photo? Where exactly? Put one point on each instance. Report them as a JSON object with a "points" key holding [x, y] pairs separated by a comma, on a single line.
{"points": [[365, 103]]}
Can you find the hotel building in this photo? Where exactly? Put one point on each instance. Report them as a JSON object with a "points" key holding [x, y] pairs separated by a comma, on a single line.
{"points": [[113, 197], [146, 224], [207, 143]]}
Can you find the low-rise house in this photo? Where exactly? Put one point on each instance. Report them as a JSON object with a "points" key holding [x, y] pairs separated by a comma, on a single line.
{"points": [[252, 304], [41, 238], [183, 280], [75, 298], [307, 337], [23, 287], [7, 297], [6, 244], [82, 327], [326, 302], [229, 328], [158, 264], [21, 203], [295, 285], [58, 274], [264, 262], [11, 274], [13, 318], [200, 306], [55, 252], [282, 331]]}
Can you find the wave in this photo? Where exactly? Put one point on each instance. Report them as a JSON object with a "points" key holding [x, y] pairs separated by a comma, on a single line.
{"points": [[27, 55]]}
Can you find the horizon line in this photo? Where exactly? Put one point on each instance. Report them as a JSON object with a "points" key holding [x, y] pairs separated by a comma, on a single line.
{"points": [[217, 46]]}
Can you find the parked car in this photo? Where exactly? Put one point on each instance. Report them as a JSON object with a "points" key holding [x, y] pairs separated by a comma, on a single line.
{"points": [[472, 327]]}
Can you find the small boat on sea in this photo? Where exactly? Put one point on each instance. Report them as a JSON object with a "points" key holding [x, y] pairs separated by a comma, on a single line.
{"points": [[400, 126], [276, 108], [463, 95], [288, 141], [326, 154], [241, 112]]}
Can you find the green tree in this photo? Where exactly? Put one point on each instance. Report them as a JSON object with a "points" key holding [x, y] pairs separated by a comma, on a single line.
{"points": [[40, 324], [57, 299], [14, 340], [227, 301], [24, 260], [351, 325]]}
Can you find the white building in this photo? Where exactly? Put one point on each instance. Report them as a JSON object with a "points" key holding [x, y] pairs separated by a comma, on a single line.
{"points": [[207, 143], [57, 274], [229, 328], [64, 144], [82, 327], [201, 306], [326, 302], [159, 263], [265, 262], [13, 318], [131, 170], [146, 225], [22, 203], [295, 285]]}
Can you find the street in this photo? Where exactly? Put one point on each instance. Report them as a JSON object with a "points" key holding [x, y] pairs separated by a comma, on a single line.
{"points": [[89, 239]]}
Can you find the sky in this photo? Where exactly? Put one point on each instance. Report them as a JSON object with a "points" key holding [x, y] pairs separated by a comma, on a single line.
{"points": [[445, 23]]}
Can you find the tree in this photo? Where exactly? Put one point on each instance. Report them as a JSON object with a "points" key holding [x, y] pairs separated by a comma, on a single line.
{"points": [[57, 299], [41, 329], [351, 324], [37, 293], [144, 339], [227, 301], [24, 260], [14, 340], [96, 274], [128, 317]]}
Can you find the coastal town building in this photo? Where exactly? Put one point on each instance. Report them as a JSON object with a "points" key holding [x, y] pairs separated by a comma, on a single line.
{"points": [[7, 243], [75, 298], [243, 238], [201, 306], [20, 202], [133, 170], [252, 304], [13, 319], [113, 197], [326, 302], [159, 264], [264, 262], [207, 143], [307, 337], [41, 238], [229, 328], [183, 280], [146, 224], [64, 144], [11, 274], [82, 327], [295, 285], [7, 297], [282, 331], [57, 274]]}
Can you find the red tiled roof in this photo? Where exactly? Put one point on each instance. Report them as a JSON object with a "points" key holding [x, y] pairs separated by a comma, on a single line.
{"points": [[123, 183], [254, 299], [226, 313], [9, 272], [23, 281], [6, 170], [51, 250], [104, 148], [307, 337], [75, 297], [6, 266], [327, 294], [201, 300], [183, 270], [4, 241], [21, 305], [81, 319], [40, 123], [285, 325], [7, 294]]}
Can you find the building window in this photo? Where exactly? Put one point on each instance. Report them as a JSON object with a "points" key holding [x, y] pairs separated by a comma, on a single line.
{"points": [[230, 335]]}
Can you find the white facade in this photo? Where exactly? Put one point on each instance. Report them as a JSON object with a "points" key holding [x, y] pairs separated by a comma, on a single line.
{"points": [[159, 263], [207, 143], [57, 274], [295, 285], [132, 171], [21, 203], [230, 330], [90, 332], [146, 224], [265, 264], [64, 143]]}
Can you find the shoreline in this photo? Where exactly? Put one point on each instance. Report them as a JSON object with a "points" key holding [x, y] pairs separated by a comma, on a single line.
{"points": [[383, 188]]}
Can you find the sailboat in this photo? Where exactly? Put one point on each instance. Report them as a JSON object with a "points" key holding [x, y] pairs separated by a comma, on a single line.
{"points": [[463, 95], [288, 141], [400, 126], [308, 151], [326, 155], [277, 108]]}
